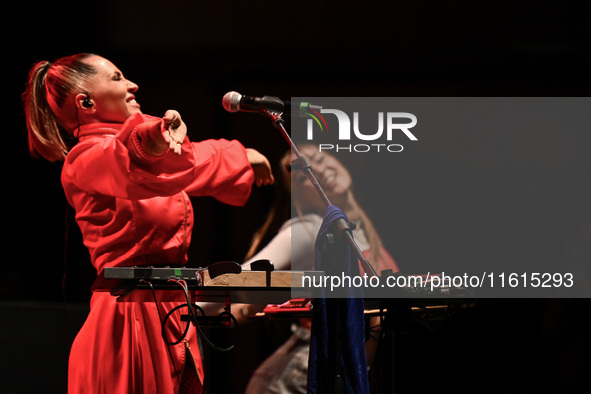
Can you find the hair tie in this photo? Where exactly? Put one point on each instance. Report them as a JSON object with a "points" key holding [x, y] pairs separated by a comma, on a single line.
{"points": [[47, 66], [45, 70]]}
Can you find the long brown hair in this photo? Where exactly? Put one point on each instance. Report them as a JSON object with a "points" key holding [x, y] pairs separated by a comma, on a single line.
{"points": [[48, 112], [279, 213]]}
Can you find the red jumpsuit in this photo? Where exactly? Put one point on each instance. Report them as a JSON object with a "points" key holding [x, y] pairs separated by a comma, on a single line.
{"points": [[134, 209]]}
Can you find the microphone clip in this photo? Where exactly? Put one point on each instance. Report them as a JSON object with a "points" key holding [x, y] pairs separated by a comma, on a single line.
{"points": [[275, 117]]}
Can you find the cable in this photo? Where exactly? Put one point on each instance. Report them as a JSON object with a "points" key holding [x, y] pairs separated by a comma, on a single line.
{"points": [[214, 346], [192, 315], [164, 336], [177, 373]]}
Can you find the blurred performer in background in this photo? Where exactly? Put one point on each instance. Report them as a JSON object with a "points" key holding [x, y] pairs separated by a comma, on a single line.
{"points": [[292, 247], [129, 177]]}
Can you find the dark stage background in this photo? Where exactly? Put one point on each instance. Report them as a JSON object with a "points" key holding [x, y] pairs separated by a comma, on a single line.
{"points": [[186, 55]]}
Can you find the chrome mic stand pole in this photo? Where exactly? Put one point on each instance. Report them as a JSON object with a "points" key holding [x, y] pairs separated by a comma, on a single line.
{"points": [[301, 163]]}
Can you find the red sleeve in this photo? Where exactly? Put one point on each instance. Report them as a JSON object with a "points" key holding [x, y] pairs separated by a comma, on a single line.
{"points": [[102, 164], [222, 171]]}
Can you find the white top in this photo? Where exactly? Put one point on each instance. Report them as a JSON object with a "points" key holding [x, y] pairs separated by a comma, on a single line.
{"points": [[293, 246]]}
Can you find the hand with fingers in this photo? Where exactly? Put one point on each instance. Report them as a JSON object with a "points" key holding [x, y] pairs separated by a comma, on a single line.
{"points": [[158, 136], [263, 175], [174, 130]]}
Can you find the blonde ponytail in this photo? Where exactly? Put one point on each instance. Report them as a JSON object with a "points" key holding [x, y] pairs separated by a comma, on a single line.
{"points": [[46, 108], [45, 139]]}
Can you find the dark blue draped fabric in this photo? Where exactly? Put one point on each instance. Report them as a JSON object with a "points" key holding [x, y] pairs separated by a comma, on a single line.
{"points": [[338, 326]]}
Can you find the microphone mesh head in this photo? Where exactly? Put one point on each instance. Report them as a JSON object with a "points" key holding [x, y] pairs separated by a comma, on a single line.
{"points": [[231, 101]]}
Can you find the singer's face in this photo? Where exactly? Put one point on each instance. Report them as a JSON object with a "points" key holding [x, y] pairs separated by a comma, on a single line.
{"points": [[332, 176], [111, 94]]}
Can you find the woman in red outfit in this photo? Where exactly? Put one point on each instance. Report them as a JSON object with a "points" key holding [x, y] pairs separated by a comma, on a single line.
{"points": [[129, 177]]}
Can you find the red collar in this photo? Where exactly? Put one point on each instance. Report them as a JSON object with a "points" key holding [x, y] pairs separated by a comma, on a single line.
{"points": [[89, 130]]}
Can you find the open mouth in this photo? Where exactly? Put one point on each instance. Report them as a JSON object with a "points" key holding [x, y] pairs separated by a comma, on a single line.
{"points": [[329, 179], [131, 101]]}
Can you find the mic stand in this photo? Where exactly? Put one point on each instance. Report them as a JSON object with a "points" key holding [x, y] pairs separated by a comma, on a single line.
{"points": [[333, 305], [301, 163]]}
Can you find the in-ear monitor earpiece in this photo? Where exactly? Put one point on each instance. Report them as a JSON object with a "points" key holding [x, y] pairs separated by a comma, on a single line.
{"points": [[87, 103]]}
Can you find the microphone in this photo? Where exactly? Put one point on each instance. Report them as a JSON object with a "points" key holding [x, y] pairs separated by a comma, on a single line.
{"points": [[234, 102]]}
